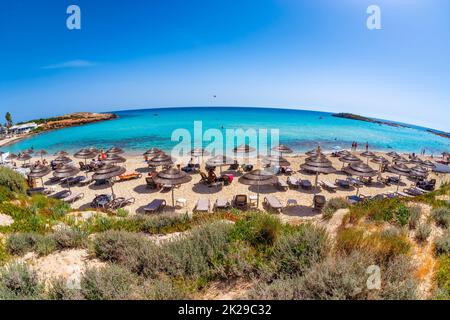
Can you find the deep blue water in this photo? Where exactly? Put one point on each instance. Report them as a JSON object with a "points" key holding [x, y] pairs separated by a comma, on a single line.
{"points": [[138, 130]]}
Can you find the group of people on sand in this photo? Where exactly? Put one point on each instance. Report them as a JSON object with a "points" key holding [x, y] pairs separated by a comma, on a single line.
{"points": [[355, 146]]}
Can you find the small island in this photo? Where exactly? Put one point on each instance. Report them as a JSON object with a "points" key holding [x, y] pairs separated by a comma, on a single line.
{"points": [[366, 119]]}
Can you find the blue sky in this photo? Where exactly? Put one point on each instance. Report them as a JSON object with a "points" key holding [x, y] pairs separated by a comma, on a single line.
{"points": [[315, 55]]}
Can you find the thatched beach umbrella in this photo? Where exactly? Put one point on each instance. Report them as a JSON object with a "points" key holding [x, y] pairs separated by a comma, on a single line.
{"points": [[62, 160], [115, 150], [380, 160], [360, 170], [415, 160], [282, 149], [418, 172], [66, 171], [41, 153], [315, 152], [349, 159], [161, 159], [85, 154], [219, 161], [108, 172], [24, 157], [428, 164], [318, 164], [114, 159], [29, 151], [400, 169], [172, 177], [11, 156], [39, 171], [343, 153], [94, 150], [244, 149], [275, 161], [61, 153], [368, 155], [153, 152], [199, 152], [258, 178], [400, 160], [393, 154]]}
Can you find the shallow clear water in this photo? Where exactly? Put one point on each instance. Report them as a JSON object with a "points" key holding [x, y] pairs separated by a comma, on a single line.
{"points": [[138, 130]]}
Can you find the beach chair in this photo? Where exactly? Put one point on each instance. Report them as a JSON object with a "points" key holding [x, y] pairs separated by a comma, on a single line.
{"points": [[306, 184], [84, 167], [101, 201], [40, 190], [120, 202], [319, 202], [54, 180], [74, 180], [155, 206], [203, 205], [382, 180], [356, 199], [427, 185], [328, 186], [394, 180], [61, 194], [129, 176], [273, 203], [204, 178], [355, 182], [221, 204], [345, 184], [74, 198], [85, 182], [292, 182], [282, 185], [413, 191], [240, 201], [151, 184]]}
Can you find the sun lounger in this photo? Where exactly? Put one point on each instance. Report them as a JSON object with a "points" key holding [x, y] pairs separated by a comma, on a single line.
{"points": [[355, 182], [273, 203], [74, 198], [155, 206], [356, 199], [61, 194], [240, 201], [101, 201], [306, 184], [85, 182], [202, 205], [41, 190], [345, 184], [384, 181], [120, 203], [129, 176], [328, 185], [292, 182], [282, 185], [221, 203], [403, 195], [74, 180], [413, 191]]}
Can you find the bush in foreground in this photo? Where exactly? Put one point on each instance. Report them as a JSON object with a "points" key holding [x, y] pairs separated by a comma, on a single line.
{"points": [[12, 180], [423, 232], [18, 282], [441, 216], [442, 244], [334, 205]]}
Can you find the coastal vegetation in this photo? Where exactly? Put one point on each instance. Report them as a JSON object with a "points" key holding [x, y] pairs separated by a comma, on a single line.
{"points": [[181, 256]]}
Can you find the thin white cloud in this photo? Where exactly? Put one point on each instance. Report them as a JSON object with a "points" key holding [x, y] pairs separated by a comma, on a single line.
{"points": [[70, 64]]}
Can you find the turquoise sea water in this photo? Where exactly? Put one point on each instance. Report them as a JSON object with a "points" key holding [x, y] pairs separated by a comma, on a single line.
{"points": [[138, 130]]}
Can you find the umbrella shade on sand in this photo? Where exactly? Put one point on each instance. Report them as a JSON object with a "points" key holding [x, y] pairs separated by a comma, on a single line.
{"points": [[282, 149], [115, 150], [108, 172], [275, 161], [399, 169], [153, 152], [41, 153], [66, 171], [114, 159], [61, 153], [319, 164], [161, 159], [349, 159], [360, 170], [258, 178], [219, 161], [368, 155], [39, 172], [172, 177]]}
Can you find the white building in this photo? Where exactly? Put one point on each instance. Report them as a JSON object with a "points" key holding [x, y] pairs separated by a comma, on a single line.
{"points": [[23, 128]]}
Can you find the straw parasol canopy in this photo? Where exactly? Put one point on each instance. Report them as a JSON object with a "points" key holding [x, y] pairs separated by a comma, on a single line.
{"points": [[114, 158], [275, 161], [61, 153], [161, 159], [39, 171], [24, 157], [107, 172], [29, 151], [318, 164], [85, 154], [418, 172], [400, 169], [153, 152], [219, 161], [415, 160], [66, 171], [349, 159], [282, 149], [400, 160], [11, 156], [41, 153], [62, 160], [94, 150], [172, 177], [258, 178], [199, 152], [380, 160], [393, 154], [428, 164], [367, 155], [244, 149], [115, 150], [343, 153], [360, 169], [314, 152]]}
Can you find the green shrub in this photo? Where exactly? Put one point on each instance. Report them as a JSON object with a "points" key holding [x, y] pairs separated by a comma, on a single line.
{"points": [[12, 180], [59, 290], [414, 218], [21, 243], [161, 289], [441, 216], [402, 214], [442, 244], [107, 283], [259, 229], [443, 278], [164, 223], [44, 246], [423, 232], [6, 194], [296, 251], [334, 205], [68, 238], [377, 210], [18, 282], [4, 255], [59, 210], [123, 213]]}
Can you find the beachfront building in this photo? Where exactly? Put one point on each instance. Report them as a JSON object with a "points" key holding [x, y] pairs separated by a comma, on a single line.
{"points": [[23, 128]]}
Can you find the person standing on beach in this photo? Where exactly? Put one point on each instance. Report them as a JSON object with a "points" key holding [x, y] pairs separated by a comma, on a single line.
{"points": [[103, 155], [367, 146]]}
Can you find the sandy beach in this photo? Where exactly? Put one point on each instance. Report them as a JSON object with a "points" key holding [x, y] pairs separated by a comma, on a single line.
{"points": [[193, 191]]}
